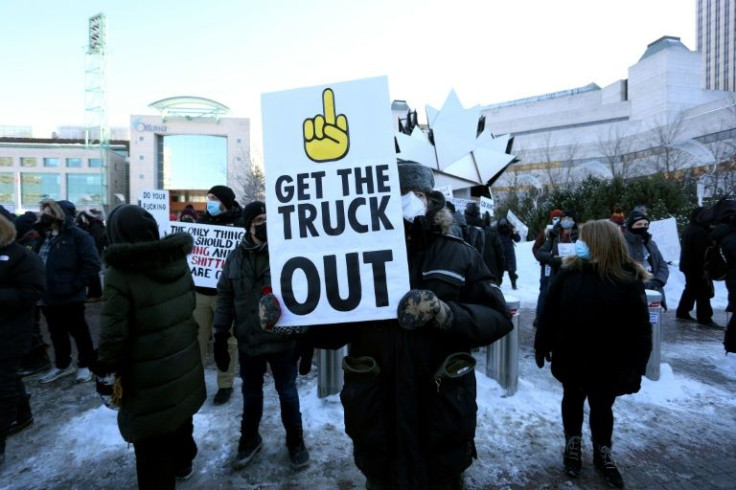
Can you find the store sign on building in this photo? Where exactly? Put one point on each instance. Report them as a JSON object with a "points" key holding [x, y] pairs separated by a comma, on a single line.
{"points": [[141, 127]]}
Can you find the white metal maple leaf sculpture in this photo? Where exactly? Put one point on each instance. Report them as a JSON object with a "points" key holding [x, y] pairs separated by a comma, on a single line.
{"points": [[460, 157]]}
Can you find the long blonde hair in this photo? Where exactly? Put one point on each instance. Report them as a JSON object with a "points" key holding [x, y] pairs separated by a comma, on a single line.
{"points": [[608, 251]]}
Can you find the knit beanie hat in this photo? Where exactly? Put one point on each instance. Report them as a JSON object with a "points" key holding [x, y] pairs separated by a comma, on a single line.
{"points": [[224, 194], [25, 222], [635, 216], [253, 209], [415, 176], [555, 213], [472, 210], [129, 223]]}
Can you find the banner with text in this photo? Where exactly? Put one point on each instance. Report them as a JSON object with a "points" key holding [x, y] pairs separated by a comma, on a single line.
{"points": [[335, 226], [212, 244]]}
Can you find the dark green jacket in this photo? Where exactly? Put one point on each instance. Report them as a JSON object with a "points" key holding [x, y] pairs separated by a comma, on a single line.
{"points": [[149, 337], [239, 289]]}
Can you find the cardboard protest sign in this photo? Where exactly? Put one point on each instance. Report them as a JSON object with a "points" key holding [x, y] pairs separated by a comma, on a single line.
{"points": [[664, 233], [518, 224], [212, 244], [486, 206], [156, 202], [335, 226]]}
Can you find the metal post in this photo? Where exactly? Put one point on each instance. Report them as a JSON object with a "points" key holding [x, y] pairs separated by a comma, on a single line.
{"points": [[502, 356], [654, 298], [329, 367]]}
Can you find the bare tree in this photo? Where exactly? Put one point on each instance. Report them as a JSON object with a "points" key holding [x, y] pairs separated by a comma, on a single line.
{"points": [[254, 184], [616, 152], [668, 159]]}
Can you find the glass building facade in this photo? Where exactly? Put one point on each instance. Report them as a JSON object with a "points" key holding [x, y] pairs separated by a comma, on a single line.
{"points": [[191, 161]]}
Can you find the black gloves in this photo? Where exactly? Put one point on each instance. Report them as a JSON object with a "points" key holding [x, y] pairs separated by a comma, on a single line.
{"points": [[222, 357], [421, 307], [303, 353], [540, 357]]}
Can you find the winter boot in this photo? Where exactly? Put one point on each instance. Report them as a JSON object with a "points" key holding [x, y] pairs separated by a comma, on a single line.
{"points": [[573, 455], [247, 449], [604, 463], [24, 418], [298, 453]]}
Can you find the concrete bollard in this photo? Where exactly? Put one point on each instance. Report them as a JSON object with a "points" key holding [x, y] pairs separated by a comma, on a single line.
{"points": [[654, 299], [502, 356], [329, 367]]}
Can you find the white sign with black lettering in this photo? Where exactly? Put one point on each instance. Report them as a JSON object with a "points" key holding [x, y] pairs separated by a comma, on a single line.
{"points": [[156, 202], [212, 245], [335, 226]]}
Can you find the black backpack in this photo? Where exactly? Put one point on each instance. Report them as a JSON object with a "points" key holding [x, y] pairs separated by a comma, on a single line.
{"points": [[714, 264]]}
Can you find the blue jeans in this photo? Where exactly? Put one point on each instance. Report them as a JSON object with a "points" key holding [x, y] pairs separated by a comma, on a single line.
{"points": [[252, 370]]}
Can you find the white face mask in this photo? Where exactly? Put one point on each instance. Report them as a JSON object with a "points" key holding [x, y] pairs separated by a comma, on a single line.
{"points": [[412, 206]]}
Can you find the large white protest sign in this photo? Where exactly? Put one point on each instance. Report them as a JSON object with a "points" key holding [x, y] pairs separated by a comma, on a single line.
{"points": [[460, 204], [212, 244], [335, 226], [486, 206], [664, 233], [156, 202]]}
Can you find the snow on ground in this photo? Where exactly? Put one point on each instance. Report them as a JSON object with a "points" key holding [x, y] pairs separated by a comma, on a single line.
{"points": [[517, 437]]}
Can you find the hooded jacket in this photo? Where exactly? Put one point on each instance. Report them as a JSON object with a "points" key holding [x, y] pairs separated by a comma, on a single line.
{"points": [[22, 282], [149, 337], [72, 259], [411, 426]]}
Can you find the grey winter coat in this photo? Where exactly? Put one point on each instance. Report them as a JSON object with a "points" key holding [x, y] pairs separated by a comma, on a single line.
{"points": [[149, 337], [239, 289]]}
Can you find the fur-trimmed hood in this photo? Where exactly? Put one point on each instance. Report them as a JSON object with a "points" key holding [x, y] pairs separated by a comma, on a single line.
{"points": [[7, 232], [159, 259]]}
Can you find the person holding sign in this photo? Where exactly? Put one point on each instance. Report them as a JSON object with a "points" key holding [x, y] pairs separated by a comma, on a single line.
{"points": [[222, 210], [148, 339], [595, 330], [245, 276], [409, 392]]}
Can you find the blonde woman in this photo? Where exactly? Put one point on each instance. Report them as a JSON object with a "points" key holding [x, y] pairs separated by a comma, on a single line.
{"points": [[595, 326]]}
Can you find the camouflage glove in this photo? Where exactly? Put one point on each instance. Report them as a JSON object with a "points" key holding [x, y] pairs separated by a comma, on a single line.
{"points": [[269, 309], [420, 307]]}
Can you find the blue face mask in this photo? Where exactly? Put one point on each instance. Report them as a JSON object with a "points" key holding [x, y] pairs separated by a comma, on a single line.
{"points": [[567, 223], [582, 250], [213, 207]]}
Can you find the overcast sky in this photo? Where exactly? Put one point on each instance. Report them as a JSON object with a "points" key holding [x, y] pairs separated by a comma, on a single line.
{"points": [[234, 50]]}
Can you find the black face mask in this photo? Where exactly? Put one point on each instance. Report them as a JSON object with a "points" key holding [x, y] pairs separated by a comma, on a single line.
{"points": [[640, 231], [47, 220], [260, 232]]}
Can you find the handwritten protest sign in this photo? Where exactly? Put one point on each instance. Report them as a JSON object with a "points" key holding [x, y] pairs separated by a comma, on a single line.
{"points": [[486, 206], [335, 226], [156, 202], [212, 244]]}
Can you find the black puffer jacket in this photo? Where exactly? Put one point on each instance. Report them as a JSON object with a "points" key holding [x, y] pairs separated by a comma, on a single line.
{"points": [[409, 426], [725, 235], [148, 335], [597, 330], [22, 282]]}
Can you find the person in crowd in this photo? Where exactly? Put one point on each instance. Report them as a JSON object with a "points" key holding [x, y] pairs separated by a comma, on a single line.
{"points": [[37, 358], [722, 216], [493, 255], [645, 251], [560, 243], [698, 287], [473, 230], [458, 220], [188, 214], [508, 235], [403, 377], [93, 222], [618, 217], [148, 339], [22, 283], [70, 259], [222, 210], [595, 325], [239, 289], [554, 218]]}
